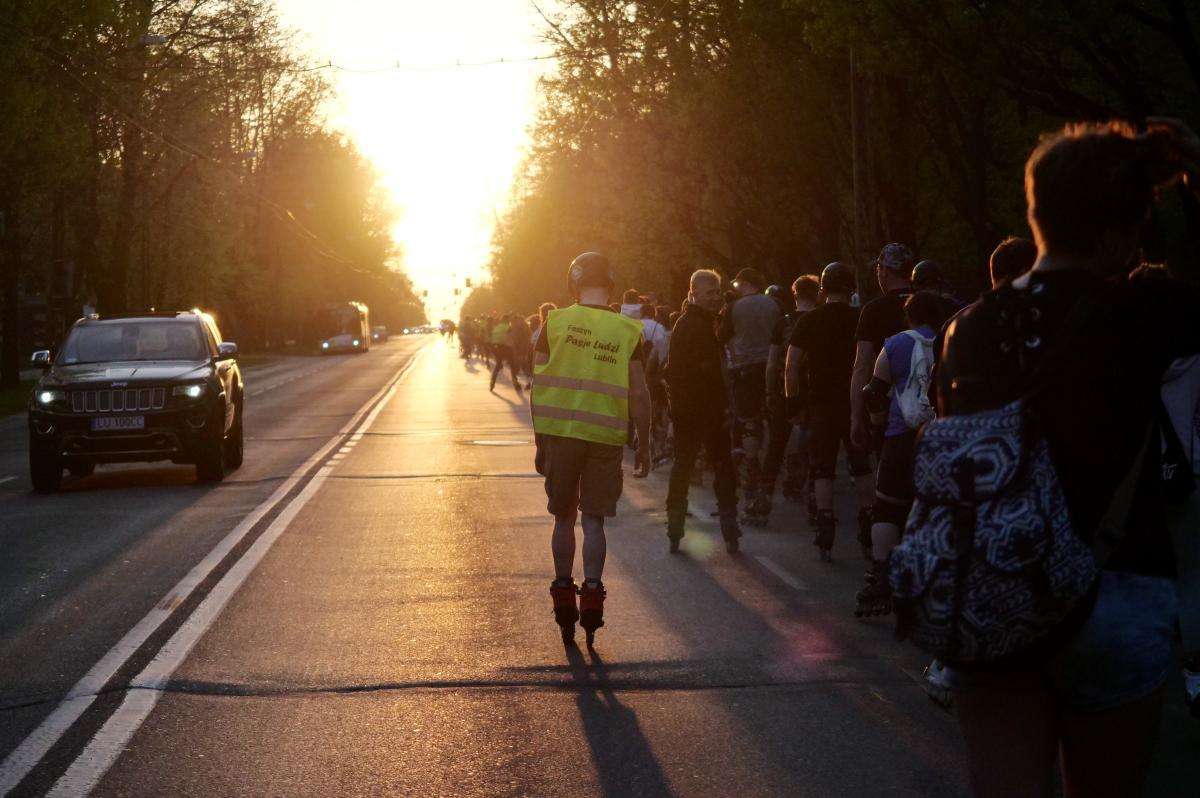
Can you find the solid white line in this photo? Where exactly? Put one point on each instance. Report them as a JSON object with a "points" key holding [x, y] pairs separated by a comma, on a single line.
{"points": [[109, 743], [783, 575], [6, 479], [25, 756]]}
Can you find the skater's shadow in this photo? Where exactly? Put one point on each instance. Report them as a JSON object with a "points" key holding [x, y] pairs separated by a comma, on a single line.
{"points": [[624, 760]]}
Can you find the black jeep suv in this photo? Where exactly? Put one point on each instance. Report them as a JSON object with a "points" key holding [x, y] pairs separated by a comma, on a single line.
{"points": [[137, 388]]}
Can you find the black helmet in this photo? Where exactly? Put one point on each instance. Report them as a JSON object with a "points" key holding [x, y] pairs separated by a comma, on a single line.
{"points": [[589, 270], [837, 278], [927, 276], [775, 292]]}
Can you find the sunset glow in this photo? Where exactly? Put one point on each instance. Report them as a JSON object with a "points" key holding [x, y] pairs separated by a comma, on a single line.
{"points": [[445, 139]]}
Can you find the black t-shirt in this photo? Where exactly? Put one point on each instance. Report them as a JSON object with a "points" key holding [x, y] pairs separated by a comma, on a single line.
{"points": [[543, 342], [826, 334], [1095, 407], [882, 318]]}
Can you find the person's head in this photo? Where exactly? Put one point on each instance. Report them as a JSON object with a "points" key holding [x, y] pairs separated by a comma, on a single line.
{"points": [[675, 314], [533, 321], [749, 281], [1011, 258], [805, 289], [925, 309], [837, 282], [662, 315], [704, 289], [1089, 188], [928, 275], [544, 311], [632, 297], [590, 278], [647, 311], [893, 267]]}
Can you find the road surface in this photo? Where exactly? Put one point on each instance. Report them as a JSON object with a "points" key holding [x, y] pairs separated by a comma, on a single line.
{"points": [[362, 609]]}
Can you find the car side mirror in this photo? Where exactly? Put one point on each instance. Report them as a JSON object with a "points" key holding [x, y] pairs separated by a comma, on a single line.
{"points": [[226, 350], [41, 359]]}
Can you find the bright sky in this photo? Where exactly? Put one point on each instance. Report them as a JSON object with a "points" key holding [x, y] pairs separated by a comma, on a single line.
{"points": [[446, 140]]}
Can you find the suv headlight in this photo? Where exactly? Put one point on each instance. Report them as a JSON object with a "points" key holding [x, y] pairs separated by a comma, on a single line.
{"points": [[194, 391], [50, 396]]}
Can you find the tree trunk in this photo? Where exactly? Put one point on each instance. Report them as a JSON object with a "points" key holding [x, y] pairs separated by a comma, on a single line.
{"points": [[10, 296]]}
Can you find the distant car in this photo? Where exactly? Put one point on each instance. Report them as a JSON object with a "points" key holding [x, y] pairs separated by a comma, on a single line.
{"points": [[379, 334], [137, 388]]}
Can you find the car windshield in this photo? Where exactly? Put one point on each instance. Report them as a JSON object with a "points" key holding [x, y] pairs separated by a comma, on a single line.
{"points": [[133, 340]]}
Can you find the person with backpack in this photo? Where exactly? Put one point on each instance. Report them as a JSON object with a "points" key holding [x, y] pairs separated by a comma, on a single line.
{"points": [[1036, 562], [900, 389]]}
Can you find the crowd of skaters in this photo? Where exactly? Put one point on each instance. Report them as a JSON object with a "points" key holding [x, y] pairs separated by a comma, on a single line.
{"points": [[1096, 348]]}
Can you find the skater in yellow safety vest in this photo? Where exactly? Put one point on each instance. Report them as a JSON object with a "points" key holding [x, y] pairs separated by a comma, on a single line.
{"points": [[589, 380]]}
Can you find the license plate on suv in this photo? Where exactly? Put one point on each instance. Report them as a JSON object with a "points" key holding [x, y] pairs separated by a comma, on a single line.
{"points": [[118, 423]]}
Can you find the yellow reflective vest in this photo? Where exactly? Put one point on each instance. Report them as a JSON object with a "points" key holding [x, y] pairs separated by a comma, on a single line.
{"points": [[583, 390]]}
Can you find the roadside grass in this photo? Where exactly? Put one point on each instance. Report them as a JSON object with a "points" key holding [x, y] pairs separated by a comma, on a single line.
{"points": [[14, 400]]}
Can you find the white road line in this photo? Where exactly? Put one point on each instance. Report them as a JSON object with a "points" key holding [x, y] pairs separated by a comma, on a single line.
{"points": [[778, 570], [108, 744], [25, 756], [6, 479]]}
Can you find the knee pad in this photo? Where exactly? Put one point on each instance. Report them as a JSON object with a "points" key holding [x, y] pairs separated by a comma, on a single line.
{"points": [[886, 512]]}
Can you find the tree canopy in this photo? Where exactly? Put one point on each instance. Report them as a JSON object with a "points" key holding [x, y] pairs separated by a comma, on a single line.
{"points": [[174, 153], [784, 134]]}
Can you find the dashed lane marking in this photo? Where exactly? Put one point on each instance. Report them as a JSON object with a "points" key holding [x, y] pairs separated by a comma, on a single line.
{"points": [[780, 572]]}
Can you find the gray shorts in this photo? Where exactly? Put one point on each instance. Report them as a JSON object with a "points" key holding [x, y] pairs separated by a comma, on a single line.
{"points": [[580, 475]]}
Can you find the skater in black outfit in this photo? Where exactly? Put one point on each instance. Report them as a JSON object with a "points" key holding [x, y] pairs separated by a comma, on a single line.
{"points": [[824, 337], [699, 410], [782, 413]]}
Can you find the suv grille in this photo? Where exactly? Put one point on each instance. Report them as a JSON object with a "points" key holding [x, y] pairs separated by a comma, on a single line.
{"points": [[108, 401]]}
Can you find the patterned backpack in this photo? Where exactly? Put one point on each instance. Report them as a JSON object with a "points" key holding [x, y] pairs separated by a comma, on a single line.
{"points": [[990, 563]]}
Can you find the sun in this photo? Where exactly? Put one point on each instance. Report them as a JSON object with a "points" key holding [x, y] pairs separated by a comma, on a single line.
{"points": [[446, 140]]}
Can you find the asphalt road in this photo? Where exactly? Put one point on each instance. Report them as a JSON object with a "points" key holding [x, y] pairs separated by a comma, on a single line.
{"points": [[362, 609]]}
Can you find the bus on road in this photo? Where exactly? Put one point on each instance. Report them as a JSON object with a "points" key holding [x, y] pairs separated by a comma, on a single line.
{"points": [[344, 327]]}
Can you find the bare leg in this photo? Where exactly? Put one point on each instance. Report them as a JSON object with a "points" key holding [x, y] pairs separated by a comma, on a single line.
{"points": [[595, 547], [864, 486], [562, 544], [823, 489], [1011, 737], [1108, 753], [884, 538]]}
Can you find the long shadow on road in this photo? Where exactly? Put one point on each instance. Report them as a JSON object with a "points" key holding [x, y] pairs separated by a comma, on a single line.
{"points": [[624, 760]]}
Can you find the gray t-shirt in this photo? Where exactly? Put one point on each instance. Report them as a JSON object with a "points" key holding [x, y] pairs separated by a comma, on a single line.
{"points": [[754, 318]]}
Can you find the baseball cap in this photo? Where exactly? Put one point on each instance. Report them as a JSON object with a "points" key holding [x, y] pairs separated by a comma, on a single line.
{"points": [[896, 258], [752, 276]]}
